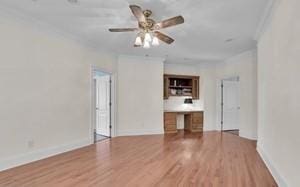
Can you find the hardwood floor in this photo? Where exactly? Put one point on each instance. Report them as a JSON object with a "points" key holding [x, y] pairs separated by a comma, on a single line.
{"points": [[184, 159], [234, 132], [100, 137]]}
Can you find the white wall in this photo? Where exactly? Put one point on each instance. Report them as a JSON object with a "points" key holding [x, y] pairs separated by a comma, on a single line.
{"points": [[243, 65], [207, 98], [45, 92], [279, 93], [140, 95]]}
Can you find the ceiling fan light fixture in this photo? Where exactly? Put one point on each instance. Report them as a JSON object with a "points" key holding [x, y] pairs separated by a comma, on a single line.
{"points": [[146, 45], [149, 34], [138, 41], [148, 37], [155, 41]]}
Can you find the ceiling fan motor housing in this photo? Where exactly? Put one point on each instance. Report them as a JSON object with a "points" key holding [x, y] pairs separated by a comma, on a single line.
{"points": [[147, 13], [148, 25]]}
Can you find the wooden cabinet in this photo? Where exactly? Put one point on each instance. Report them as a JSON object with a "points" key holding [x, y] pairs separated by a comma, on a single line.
{"points": [[197, 122], [170, 122], [181, 85], [195, 90], [193, 121], [166, 87]]}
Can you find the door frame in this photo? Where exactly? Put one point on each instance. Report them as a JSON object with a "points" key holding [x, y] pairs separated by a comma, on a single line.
{"points": [[93, 102], [99, 83], [221, 98]]}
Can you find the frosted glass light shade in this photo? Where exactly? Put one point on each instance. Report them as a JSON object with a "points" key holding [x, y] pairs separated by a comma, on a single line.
{"points": [[146, 45], [138, 41], [155, 41], [147, 37]]}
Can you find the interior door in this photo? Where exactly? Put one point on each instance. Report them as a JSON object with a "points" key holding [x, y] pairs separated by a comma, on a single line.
{"points": [[231, 105], [103, 105]]}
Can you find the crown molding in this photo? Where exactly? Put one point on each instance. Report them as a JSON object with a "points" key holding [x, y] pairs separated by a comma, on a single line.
{"points": [[266, 18], [39, 25], [151, 58]]}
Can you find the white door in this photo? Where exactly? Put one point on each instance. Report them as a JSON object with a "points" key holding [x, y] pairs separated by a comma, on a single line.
{"points": [[231, 105], [103, 105]]}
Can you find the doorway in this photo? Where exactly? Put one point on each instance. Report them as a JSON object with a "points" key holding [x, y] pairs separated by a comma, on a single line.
{"points": [[102, 105], [230, 105]]}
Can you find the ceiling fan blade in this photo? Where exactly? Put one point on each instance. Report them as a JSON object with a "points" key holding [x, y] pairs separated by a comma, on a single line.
{"points": [[123, 30], [138, 13], [169, 22], [164, 37]]}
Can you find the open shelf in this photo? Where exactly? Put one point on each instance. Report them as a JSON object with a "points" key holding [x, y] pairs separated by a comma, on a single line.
{"points": [[181, 85], [180, 95]]}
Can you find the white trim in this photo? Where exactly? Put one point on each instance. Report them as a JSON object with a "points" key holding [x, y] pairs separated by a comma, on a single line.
{"points": [[252, 51], [207, 129], [247, 136], [137, 132], [113, 101], [266, 18], [145, 57], [219, 99], [25, 158], [270, 165]]}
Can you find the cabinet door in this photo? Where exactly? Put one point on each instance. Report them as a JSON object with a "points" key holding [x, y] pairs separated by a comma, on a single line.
{"points": [[197, 121], [166, 87], [170, 125], [170, 118], [195, 91]]}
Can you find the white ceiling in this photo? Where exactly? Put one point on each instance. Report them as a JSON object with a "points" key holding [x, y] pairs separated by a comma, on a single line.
{"points": [[208, 24]]}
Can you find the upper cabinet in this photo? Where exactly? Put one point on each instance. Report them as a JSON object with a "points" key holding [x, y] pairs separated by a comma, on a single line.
{"points": [[181, 85]]}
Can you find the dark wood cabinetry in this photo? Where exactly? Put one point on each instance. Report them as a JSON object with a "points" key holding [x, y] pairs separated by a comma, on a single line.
{"points": [[193, 121], [197, 122], [181, 85], [170, 122], [195, 90]]}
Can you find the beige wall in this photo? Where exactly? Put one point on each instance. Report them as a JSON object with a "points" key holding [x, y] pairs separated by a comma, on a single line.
{"points": [[45, 92], [140, 95], [245, 66], [279, 93]]}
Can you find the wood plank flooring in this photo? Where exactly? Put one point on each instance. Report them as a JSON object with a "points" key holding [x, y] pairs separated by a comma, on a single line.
{"points": [[211, 159]]}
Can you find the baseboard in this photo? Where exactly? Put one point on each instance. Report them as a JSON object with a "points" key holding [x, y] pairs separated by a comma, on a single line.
{"points": [[41, 154], [247, 136], [269, 163], [137, 132], [208, 128]]}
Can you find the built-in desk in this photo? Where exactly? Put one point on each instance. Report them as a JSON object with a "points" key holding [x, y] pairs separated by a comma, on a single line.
{"points": [[193, 121]]}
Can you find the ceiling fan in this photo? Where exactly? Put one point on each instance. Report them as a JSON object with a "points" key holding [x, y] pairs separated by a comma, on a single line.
{"points": [[148, 29]]}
